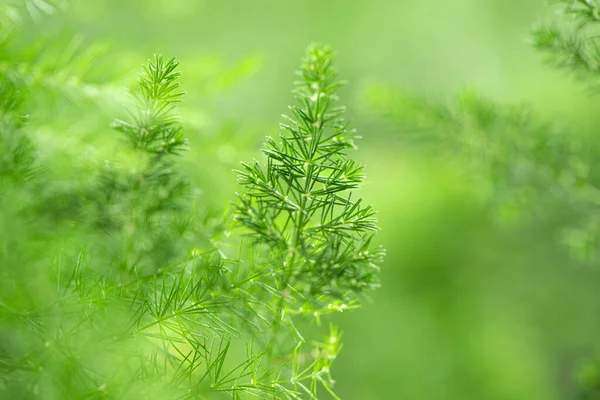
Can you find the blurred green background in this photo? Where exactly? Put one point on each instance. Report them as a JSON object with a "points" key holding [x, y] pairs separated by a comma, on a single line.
{"points": [[469, 308]]}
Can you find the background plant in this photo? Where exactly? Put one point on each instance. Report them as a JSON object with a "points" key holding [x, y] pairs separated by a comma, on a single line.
{"points": [[530, 175]]}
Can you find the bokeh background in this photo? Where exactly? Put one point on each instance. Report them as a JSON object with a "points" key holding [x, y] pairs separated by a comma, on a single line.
{"points": [[469, 308]]}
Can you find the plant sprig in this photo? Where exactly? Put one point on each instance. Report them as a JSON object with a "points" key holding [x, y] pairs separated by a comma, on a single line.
{"points": [[155, 127], [300, 203], [573, 44]]}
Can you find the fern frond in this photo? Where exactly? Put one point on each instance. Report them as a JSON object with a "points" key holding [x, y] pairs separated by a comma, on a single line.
{"points": [[568, 49], [573, 43], [299, 202], [154, 127]]}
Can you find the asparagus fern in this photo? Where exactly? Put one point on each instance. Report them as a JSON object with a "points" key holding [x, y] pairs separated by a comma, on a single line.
{"points": [[572, 43], [299, 202], [141, 299]]}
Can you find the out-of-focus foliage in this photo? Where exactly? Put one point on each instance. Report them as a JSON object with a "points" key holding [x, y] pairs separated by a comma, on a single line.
{"points": [[572, 43], [525, 169], [530, 176]]}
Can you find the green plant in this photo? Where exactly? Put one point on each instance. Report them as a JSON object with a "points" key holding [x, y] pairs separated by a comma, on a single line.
{"points": [[533, 176], [572, 43], [299, 203], [114, 283]]}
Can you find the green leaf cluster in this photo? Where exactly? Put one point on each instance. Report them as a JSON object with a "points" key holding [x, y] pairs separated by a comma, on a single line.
{"points": [[299, 203], [572, 42], [115, 282]]}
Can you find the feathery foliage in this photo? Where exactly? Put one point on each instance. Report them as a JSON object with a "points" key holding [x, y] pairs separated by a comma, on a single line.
{"points": [[134, 294], [299, 204], [524, 169], [155, 128], [147, 205], [577, 48], [573, 44]]}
